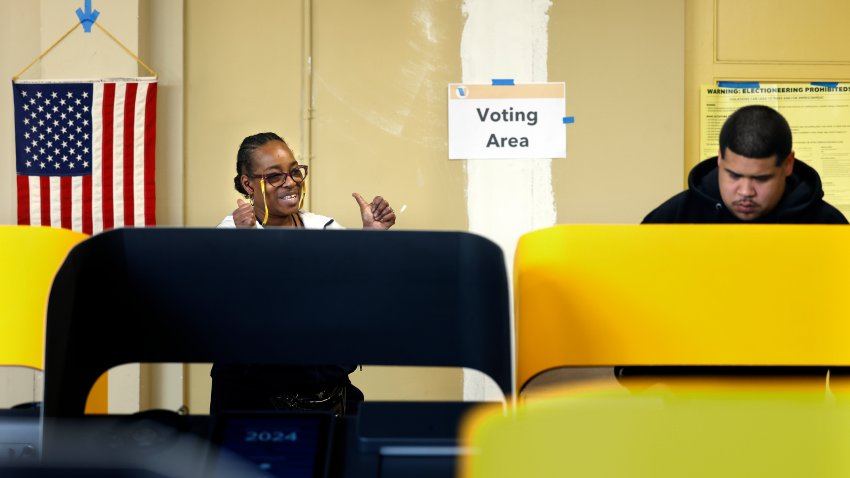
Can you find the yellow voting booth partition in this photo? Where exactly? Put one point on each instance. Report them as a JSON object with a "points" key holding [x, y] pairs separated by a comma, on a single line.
{"points": [[31, 256], [693, 295], [660, 435], [591, 295]]}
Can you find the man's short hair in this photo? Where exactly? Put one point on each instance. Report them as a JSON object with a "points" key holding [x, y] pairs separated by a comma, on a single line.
{"points": [[756, 131]]}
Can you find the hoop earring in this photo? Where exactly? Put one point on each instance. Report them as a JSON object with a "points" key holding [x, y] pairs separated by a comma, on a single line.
{"points": [[251, 200]]}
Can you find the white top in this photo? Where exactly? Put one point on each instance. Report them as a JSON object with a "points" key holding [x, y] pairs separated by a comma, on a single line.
{"points": [[310, 221]]}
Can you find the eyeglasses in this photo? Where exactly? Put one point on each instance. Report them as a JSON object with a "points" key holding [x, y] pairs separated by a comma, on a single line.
{"points": [[298, 173]]}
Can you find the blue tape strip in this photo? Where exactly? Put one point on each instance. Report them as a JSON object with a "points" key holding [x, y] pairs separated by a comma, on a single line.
{"points": [[503, 82], [87, 17], [738, 84], [826, 84], [569, 119]]}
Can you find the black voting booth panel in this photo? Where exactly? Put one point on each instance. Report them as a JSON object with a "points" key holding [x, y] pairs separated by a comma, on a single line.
{"points": [[274, 296], [19, 435]]}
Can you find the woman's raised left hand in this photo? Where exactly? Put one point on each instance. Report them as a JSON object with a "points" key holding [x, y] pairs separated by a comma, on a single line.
{"points": [[377, 214]]}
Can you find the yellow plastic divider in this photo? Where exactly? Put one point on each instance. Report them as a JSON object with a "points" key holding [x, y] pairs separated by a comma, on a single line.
{"points": [[30, 258], [596, 295], [655, 434]]}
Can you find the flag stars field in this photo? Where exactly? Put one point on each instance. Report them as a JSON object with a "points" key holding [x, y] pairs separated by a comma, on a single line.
{"points": [[40, 112]]}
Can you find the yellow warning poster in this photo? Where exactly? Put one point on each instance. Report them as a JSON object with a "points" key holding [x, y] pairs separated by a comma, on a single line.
{"points": [[819, 115]]}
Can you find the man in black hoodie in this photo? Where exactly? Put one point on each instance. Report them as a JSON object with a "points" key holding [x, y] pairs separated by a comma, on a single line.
{"points": [[756, 179]]}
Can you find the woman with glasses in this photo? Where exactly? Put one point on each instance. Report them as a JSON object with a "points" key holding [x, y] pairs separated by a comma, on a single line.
{"points": [[272, 181]]}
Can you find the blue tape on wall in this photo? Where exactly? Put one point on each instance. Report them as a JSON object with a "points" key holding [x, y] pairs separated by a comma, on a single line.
{"points": [[826, 84], [503, 82], [88, 16], [738, 84], [569, 119]]}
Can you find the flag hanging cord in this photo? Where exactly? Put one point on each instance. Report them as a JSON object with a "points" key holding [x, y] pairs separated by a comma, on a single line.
{"points": [[139, 60], [77, 24]]}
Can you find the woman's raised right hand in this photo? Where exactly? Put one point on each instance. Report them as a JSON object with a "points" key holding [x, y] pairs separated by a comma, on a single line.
{"points": [[244, 216]]}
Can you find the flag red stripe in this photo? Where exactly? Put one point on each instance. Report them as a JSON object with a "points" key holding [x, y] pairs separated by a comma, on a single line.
{"points": [[106, 152], [87, 207], [129, 149], [23, 200], [65, 201], [150, 156], [44, 189]]}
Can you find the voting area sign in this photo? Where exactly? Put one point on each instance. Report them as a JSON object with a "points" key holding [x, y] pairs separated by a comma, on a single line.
{"points": [[507, 121]]}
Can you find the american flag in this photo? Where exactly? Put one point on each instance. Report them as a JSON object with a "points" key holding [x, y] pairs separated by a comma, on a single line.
{"points": [[85, 153]]}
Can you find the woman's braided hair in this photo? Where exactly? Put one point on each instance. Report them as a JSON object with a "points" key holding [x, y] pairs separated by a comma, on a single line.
{"points": [[246, 151]]}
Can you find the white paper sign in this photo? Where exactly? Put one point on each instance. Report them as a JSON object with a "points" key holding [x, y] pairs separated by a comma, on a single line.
{"points": [[506, 122]]}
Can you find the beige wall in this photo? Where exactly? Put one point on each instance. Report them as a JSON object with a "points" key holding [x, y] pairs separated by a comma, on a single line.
{"points": [[380, 75], [154, 30], [20, 43], [377, 113], [369, 124], [151, 28], [623, 65], [379, 109], [161, 46], [35, 27], [381, 70], [243, 76]]}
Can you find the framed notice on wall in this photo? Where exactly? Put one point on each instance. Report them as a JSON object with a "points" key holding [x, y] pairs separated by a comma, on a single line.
{"points": [[507, 121], [819, 115]]}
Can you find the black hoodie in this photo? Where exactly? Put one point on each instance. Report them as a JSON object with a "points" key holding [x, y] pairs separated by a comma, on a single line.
{"points": [[802, 202]]}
